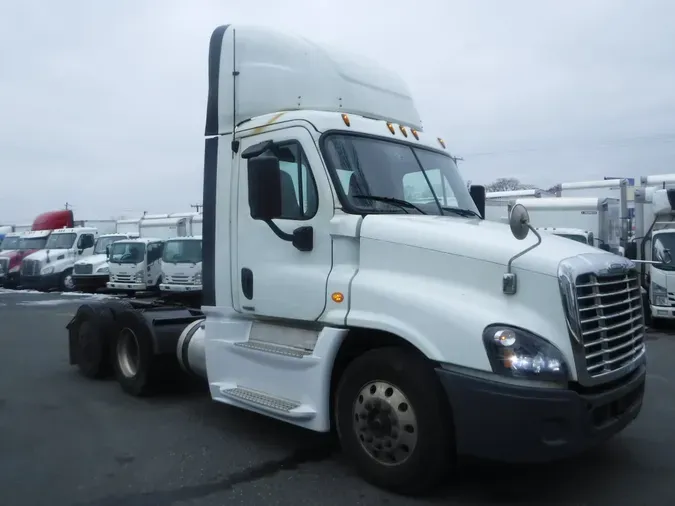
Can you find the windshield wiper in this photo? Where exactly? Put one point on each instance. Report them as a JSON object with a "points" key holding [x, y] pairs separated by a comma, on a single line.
{"points": [[403, 204], [460, 211]]}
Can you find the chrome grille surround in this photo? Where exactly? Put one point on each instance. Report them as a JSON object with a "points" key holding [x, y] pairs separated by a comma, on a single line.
{"points": [[602, 303], [30, 267]]}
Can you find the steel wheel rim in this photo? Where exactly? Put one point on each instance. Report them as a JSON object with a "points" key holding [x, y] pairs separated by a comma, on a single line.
{"points": [[68, 282], [128, 353], [385, 423]]}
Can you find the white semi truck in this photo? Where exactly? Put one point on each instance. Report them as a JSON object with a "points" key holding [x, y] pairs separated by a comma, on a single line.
{"points": [[92, 273], [52, 267], [417, 330]]}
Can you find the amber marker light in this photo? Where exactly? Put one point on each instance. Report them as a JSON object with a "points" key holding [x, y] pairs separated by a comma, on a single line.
{"points": [[337, 297], [345, 118]]}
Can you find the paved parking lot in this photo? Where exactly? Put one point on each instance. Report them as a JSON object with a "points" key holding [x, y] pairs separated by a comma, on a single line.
{"points": [[65, 440]]}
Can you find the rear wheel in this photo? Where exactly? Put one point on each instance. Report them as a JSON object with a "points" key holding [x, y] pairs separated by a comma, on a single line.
{"points": [[393, 421]]}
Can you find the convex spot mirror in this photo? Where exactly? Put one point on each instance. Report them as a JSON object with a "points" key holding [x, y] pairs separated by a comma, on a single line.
{"points": [[519, 221]]}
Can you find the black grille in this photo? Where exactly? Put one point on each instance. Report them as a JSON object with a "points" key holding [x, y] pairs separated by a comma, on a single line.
{"points": [[83, 269], [4, 265], [30, 267]]}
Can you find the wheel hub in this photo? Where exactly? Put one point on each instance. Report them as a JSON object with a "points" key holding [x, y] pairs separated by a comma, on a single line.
{"points": [[128, 353], [385, 423]]}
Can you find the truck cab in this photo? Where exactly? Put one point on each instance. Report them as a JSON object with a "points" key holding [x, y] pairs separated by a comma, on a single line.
{"points": [[350, 283], [135, 264], [9, 256], [52, 267], [182, 265], [92, 273]]}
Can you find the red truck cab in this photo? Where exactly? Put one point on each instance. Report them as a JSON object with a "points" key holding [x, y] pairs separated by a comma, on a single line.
{"points": [[30, 242]]}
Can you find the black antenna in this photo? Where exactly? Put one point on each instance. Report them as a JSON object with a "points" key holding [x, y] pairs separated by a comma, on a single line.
{"points": [[196, 206], [67, 206], [235, 73]]}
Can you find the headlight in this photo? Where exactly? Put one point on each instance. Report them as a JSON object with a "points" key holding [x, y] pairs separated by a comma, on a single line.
{"points": [[103, 270], [47, 270], [659, 295], [520, 354], [139, 276], [198, 278]]}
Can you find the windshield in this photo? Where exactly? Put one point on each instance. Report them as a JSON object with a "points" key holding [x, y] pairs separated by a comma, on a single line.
{"points": [[10, 243], [33, 243], [183, 251], [575, 237], [127, 253], [379, 168], [102, 242], [663, 242], [60, 241]]}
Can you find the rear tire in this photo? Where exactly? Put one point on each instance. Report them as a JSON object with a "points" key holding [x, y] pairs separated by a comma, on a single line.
{"points": [[394, 421], [91, 339]]}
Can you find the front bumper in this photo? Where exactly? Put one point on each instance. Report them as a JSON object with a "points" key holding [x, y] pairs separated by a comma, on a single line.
{"points": [[138, 287], [516, 424], [42, 282], [90, 282], [169, 287], [662, 311], [10, 278]]}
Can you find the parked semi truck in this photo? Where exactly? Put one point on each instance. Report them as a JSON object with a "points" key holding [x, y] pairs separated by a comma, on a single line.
{"points": [[419, 331], [52, 266], [92, 273], [31, 241]]}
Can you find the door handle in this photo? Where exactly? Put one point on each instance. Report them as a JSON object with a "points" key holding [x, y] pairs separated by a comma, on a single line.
{"points": [[247, 282]]}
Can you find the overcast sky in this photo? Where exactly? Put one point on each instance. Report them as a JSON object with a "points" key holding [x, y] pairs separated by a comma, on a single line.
{"points": [[102, 104]]}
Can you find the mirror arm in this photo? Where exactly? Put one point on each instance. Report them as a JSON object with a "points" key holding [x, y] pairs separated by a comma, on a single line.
{"points": [[278, 232], [508, 266]]}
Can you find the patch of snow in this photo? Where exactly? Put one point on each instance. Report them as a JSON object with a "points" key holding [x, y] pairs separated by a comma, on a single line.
{"points": [[6, 291], [54, 302]]}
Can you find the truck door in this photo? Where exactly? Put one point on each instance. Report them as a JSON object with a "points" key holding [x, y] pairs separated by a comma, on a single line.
{"points": [[271, 277]]}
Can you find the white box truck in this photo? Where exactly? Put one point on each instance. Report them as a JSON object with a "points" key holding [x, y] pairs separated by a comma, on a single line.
{"points": [[589, 216], [164, 228], [416, 329], [134, 265], [182, 265]]}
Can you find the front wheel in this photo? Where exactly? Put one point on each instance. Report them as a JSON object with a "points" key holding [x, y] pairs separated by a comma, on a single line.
{"points": [[67, 283], [394, 422]]}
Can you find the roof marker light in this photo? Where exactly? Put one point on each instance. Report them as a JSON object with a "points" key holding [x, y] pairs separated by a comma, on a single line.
{"points": [[415, 134], [403, 131], [345, 118], [391, 128], [441, 142]]}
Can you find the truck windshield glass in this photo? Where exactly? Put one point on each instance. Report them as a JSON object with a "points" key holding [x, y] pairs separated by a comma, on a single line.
{"points": [[10, 243], [371, 166], [60, 241], [183, 251], [127, 253], [102, 242], [575, 237], [663, 242], [33, 243]]}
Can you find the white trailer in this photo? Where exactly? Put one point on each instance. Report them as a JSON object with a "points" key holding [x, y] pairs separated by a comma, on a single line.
{"points": [[129, 226], [415, 329], [164, 228], [605, 188], [597, 216], [498, 204], [103, 226]]}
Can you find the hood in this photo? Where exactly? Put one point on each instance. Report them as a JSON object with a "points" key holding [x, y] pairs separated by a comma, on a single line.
{"points": [[52, 255], [473, 238], [94, 260]]}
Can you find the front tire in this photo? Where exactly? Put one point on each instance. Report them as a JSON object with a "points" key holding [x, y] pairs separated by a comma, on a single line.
{"points": [[394, 422], [66, 282]]}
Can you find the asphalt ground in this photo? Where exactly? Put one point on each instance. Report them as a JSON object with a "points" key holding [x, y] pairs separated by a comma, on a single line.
{"points": [[67, 440]]}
